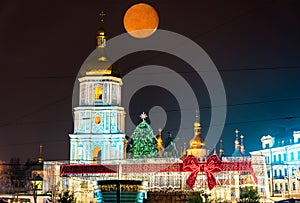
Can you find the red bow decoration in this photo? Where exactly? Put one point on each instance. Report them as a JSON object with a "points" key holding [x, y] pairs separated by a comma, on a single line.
{"points": [[191, 163]]}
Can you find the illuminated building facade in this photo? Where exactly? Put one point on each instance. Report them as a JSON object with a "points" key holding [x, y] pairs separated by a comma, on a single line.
{"points": [[99, 124], [282, 156], [97, 149]]}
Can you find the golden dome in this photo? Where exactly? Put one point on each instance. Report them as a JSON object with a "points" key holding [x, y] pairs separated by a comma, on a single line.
{"points": [[98, 64], [196, 143]]}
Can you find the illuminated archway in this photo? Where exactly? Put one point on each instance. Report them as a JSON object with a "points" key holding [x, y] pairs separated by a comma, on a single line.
{"points": [[97, 155]]}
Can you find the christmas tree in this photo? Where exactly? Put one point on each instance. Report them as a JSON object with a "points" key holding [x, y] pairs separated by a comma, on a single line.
{"points": [[143, 142]]}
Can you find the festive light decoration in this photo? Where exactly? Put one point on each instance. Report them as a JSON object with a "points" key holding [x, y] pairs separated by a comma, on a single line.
{"points": [[191, 163], [143, 141], [213, 164]]}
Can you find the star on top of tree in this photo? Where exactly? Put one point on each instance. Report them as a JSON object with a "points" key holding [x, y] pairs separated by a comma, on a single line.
{"points": [[143, 116]]}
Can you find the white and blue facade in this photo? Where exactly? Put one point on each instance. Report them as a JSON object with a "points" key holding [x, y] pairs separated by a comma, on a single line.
{"points": [[282, 156], [99, 120]]}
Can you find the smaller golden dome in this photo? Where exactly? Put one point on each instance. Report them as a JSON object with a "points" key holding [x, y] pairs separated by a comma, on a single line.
{"points": [[196, 144], [101, 32], [197, 124], [40, 160]]}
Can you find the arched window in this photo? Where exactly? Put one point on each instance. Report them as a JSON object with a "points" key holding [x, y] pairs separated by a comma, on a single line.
{"points": [[98, 92], [97, 155]]}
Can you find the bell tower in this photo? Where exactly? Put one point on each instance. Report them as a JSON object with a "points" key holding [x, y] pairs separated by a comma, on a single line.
{"points": [[99, 120]]}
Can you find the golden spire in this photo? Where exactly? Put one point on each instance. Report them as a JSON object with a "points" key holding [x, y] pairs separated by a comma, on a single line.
{"points": [[101, 34], [242, 145], [41, 150], [215, 151], [237, 143], [40, 158], [197, 116], [197, 141], [160, 146], [221, 151], [102, 66]]}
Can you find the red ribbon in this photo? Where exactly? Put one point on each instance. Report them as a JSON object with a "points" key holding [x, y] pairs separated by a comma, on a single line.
{"points": [[213, 164]]}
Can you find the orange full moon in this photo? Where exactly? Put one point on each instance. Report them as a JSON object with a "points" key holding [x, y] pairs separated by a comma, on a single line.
{"points": [[141, 20]]}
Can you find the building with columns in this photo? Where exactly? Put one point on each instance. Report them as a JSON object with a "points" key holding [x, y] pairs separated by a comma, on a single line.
{"points": [[282, 156]]}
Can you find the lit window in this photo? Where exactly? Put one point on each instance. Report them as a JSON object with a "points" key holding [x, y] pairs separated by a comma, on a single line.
{"points": [[98, 93], [97, 119]]}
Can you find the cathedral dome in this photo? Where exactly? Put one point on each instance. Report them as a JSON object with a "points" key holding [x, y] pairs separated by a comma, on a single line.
{"points": [[196, 143], [99, 65]]}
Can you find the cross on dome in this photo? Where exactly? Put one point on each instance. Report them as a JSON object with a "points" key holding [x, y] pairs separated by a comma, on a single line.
{"points": [[102, 15], [236, 131], [143, 116]]}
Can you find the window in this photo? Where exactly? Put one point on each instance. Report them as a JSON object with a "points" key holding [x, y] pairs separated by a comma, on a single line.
{"points": [[267, 146], [275, 172], [285, 172], [294, 186], [298, 155], [276, 187], [279, 157], [274, 158], [286, 187], [292, 156], [80, 152], [284, 157], [280, 172], [98, 92], [268, 172], [293, 171]]}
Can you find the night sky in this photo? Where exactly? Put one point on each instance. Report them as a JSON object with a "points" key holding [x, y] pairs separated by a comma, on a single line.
{"points": [[254, 44]]}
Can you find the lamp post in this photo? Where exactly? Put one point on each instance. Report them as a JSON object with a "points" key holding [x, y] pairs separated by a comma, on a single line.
{"points": [[271, 174]]}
